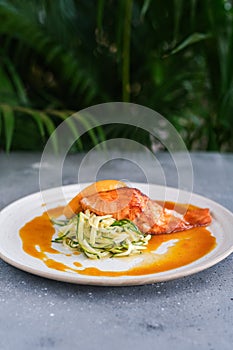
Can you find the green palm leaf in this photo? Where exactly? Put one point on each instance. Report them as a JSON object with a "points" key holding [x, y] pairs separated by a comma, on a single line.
{"points": [[27, 29], [9, 122]]}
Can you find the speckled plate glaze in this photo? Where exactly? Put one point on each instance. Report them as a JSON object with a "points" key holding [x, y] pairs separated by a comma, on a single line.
{"points": [[14, 216]]}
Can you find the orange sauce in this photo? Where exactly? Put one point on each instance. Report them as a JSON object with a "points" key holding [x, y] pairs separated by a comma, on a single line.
{"points": [[36, 236], [186, 247], [179, 207], [53, 264], [191, 245]]}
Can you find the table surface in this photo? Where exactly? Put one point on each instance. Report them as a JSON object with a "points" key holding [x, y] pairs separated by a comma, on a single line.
{"points": [[195, 312]]}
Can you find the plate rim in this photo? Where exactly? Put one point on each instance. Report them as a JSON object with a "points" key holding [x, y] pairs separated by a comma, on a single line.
{"points": [[118, 281]]}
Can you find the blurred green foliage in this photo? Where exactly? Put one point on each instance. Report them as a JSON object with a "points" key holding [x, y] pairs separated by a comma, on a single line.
{"points": [[174, 56]]}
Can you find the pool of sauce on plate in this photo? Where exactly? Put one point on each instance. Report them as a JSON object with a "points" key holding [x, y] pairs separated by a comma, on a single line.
{"points": [[36, 236], [187, 247]]}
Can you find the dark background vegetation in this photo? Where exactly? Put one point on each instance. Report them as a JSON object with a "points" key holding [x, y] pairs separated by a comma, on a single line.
{"points": [[60, 56]]}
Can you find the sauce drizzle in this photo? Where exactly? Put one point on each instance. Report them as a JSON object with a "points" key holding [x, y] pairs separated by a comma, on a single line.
{"points": [[182, 248]]}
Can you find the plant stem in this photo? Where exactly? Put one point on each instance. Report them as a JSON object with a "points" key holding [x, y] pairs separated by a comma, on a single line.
{"points": [[126, 52]]}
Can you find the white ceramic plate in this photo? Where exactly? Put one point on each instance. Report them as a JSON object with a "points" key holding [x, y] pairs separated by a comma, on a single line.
{"points": [[14, 216]]}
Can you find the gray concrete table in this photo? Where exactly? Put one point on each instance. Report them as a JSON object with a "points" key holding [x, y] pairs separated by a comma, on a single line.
{"points": [[195, 312]]}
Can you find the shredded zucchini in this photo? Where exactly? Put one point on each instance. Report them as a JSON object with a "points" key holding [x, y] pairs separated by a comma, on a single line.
{"points": [[100, 236]]}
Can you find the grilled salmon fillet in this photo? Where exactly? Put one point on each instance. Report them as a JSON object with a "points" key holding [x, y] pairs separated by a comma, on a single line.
{"points": [[148, 215], [121, 203], [74, 206]]}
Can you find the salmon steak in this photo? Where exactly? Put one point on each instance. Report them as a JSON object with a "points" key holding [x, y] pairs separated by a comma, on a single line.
{"points": [[149, 216]]}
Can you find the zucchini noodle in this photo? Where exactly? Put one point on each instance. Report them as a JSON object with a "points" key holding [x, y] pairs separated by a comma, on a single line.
{"points": [[100, 236]]}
